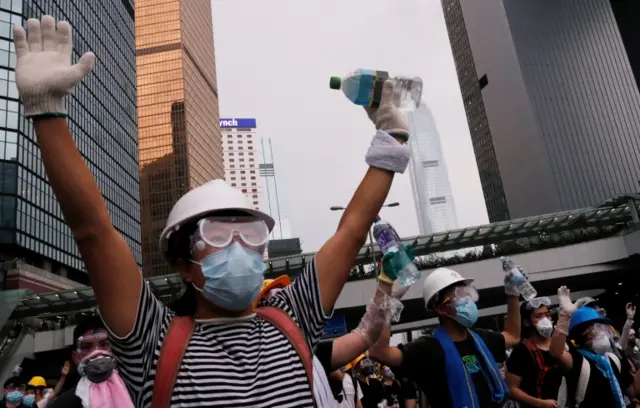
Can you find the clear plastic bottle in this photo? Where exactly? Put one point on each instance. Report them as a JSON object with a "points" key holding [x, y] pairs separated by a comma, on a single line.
{"points": [[526, 289], [364, 87], [389, 241]]}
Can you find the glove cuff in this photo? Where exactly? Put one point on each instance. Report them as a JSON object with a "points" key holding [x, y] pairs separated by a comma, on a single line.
{"points": [[563, 323], [44, 105], [387, 153]]}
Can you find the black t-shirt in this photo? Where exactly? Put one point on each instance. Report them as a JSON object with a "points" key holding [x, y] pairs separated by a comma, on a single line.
{"points": [[599, 393], [67, 399], [523, 364], [398, 392], [423, 362], [372, 391]]}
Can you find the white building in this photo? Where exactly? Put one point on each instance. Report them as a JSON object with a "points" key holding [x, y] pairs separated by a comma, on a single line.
{"points": [[242, 154], [429, 178]]}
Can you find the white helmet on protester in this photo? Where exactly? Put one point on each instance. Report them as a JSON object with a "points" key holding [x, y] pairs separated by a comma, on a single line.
{"points": [[206, 199], [438, 280]]}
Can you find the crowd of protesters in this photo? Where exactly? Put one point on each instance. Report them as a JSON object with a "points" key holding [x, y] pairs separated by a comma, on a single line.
{"points": [[236, 340]]}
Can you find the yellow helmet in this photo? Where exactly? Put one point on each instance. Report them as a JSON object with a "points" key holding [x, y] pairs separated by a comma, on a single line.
{"points": [[268, 284], [38, 382], [354, 362]]}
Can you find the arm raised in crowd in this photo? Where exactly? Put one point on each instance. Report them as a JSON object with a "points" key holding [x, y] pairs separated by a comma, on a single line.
{"points": [[44, 75], [557, 349], [385, 156], [511, 330]]}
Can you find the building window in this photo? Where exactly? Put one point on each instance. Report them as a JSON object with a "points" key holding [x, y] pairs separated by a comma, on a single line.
{"points": [[253, 172], [249, 136], [254, 190], [240, 154], [233, 184], [255, 196], [253, 177], [233, 166], [229, 141], [250, 153], [249, 141], [239, 141], [239, 137], [230, 154], [233, 172], [250, 147], [255, 203], [242, 171], [233, 178], [228, 136], [251, 160], [244, 190], [243, 178], [244, 184], [232, 160]]}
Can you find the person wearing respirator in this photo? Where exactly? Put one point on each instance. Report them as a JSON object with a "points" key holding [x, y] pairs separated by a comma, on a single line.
{"points": [[457, 366], [610, 378], [533, 375], [13, 393]]}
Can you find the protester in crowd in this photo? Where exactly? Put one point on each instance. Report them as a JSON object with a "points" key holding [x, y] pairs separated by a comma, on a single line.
{"points": [[13, 392], [397, 392], [98, 383], [35, 391], [457, 366], [596, 377], [363, 370], [215, 239], [533, 375], [348, 393]]}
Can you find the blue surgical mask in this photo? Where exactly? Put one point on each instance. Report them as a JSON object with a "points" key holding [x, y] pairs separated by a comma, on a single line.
{"points": [[233, 277], [467, 313], [28, 400], [14, 396]]}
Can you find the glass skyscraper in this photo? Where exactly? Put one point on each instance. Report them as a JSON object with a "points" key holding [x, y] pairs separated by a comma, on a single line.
{"points": [[180, 142], [102, 118], [429, 178]]}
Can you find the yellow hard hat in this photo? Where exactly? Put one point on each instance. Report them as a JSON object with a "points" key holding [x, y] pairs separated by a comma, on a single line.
{"points": [[38, 382], [354, 362], [280, 282]]}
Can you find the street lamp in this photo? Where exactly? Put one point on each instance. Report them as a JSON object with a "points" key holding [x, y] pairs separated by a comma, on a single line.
{"points": [[373, 254]]}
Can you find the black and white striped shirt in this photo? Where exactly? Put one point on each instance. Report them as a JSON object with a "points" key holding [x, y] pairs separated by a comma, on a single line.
{"points": [[229, 362]]}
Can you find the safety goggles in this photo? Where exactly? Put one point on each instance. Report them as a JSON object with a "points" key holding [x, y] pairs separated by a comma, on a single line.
{"points": [[538, 302], [219, 232], [462, 294], [94, 341], [598, 329]]}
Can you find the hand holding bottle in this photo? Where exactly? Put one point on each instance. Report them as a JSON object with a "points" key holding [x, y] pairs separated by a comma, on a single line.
{"points": [[387, 116]]}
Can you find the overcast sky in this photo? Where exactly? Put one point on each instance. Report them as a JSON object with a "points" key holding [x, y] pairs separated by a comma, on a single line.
{"points": [[274, 60]]}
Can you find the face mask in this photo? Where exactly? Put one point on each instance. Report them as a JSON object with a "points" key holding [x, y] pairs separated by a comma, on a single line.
{"points": [[29, 400], [601, 344], [97, 367], [233, 277], [544, 327], [467, 313], [14, 396]]}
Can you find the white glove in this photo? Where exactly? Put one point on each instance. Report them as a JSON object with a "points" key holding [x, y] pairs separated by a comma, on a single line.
{"points": [[631, 311], [387, 117], [44, 74], [564, 299]]}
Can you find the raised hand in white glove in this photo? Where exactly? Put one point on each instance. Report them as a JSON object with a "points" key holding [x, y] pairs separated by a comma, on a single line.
{"points": [[387, 116], [564, 299], [631, 311], [44, 74]]}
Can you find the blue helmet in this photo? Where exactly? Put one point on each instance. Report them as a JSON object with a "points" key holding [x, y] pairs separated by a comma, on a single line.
{"points": [[586, 315]]}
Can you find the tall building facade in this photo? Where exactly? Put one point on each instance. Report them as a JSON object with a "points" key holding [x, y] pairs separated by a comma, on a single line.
{"points": [[179, 134], [429, 177], [241, 147], [551, 99], [102, 118]]}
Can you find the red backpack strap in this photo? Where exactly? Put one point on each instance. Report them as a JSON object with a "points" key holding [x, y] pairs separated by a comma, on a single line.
{"points": [[173, 348], [292, 331], [542, 367]]}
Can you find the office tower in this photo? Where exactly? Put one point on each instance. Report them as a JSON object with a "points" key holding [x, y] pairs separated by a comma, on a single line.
{"points": [[272, 203], [180, 144], [102, 119], [551, 100], [241, 148], [429, 178]]}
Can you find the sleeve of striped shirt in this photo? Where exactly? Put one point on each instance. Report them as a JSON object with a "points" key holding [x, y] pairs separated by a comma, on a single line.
{"points": [[135, 351], [302, 301]]}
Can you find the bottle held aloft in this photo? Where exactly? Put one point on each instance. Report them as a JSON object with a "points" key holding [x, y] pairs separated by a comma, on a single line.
{"points": [[515, 276], [389, 242], [364, 87]]}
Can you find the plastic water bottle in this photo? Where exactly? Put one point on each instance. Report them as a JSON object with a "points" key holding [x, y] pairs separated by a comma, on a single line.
{"points": [[389, 241], [527, 290], [364, 87]]}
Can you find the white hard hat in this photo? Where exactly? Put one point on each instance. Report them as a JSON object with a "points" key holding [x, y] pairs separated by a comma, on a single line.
{"points": [[438, 280], [585, 301], [208, 198]]}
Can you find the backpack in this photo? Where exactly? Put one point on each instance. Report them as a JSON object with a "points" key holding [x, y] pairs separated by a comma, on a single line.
{"points": [[179, 334], [355, 389], [585, 374]]}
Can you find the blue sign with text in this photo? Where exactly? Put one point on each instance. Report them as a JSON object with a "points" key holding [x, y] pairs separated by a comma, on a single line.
{"points": [[238, 123], [336, 326]]}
